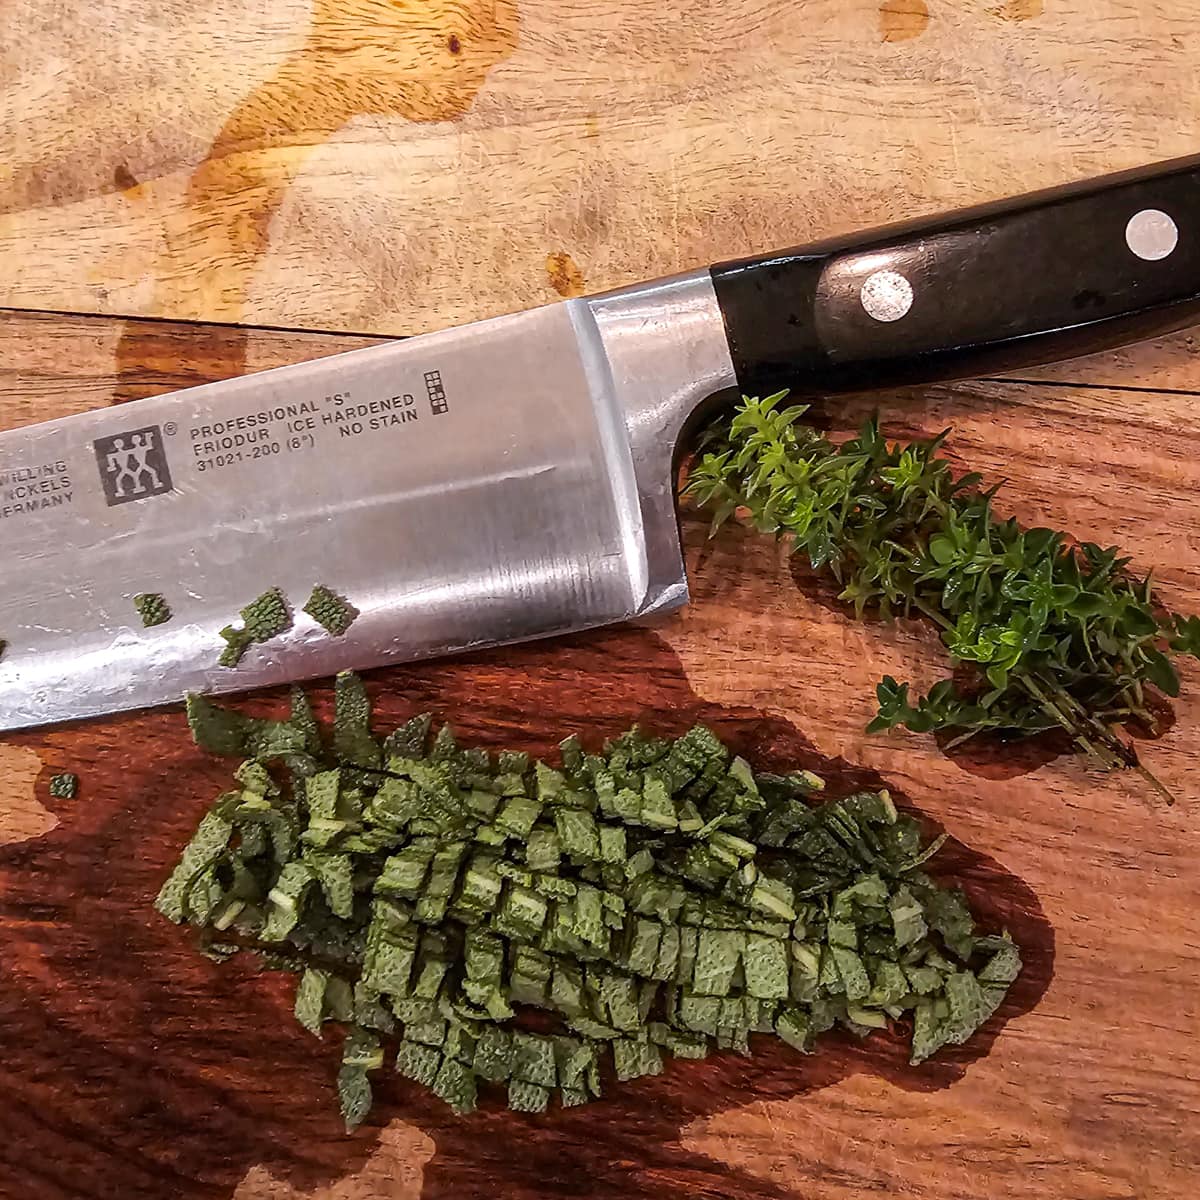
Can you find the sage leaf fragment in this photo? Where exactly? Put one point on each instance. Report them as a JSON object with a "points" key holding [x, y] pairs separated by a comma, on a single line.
{"points": [[152, 608], [333, 612]]}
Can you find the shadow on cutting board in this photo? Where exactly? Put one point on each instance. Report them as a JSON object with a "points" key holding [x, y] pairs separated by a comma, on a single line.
{"points": [[134, 1067]]}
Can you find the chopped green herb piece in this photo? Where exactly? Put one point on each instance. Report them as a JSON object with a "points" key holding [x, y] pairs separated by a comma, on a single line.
{"points": [[929, 1029], [533, 1060], [766, 967], [578, 834], [64, 786], [1005, 964], [889, 985], [428, 1033], [310, 999], [908, 918], [286, 898], [304, 722], [522, 914], [460, 1043], [218, 730], [633, 1058], [923, 980], [208, 844], [334, 872], [855, 983], [369, 1011], [494, 1054], [262, 619], [354, 1095], [793, 1027], [237, 643], [551, 784], [455, 1083], [528, 1097], [327, 608], [352, 740], [947, 912], [152, 608], [716, 961], [517, 817], [970, 1006], [543, 850], [418, 1062], [588, 923], [645, 938], [360, 1055], [267, 616]]}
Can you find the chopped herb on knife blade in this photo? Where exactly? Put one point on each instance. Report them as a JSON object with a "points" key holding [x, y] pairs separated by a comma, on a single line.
{"points": [[330, 610], [1060, 635], [267, 617], [657, 899], [152, 608], [262, 619]]}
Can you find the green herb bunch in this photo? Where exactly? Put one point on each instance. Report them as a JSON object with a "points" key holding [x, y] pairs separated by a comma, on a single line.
{"points": [[1060, 635], [656, 899]]}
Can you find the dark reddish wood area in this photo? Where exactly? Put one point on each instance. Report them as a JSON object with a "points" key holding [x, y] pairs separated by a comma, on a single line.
{"points": [[134, 1067]]}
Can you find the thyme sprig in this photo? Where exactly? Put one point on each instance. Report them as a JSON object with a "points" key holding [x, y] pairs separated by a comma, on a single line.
{"points": [[1055, 634]]}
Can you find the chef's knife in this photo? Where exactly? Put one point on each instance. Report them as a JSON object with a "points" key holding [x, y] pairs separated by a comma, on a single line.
{"points": [[512, 479]]}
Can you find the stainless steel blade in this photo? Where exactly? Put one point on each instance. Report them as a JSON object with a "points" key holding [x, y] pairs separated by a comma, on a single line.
{"points": [[504, 481]]}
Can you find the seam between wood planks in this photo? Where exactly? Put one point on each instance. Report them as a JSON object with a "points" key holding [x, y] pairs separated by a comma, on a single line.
{"points": [[318, 331], [196, 323]]}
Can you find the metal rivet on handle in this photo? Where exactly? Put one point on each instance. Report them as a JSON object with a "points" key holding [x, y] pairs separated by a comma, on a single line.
{"points": [[886, 295], [1151, 234]]}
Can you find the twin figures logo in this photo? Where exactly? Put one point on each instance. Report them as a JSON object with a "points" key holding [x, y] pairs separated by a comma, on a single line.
{"points": [[133, 465]]}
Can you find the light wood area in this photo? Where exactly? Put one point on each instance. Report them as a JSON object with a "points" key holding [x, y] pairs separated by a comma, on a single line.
{"points": [[399, 165]]}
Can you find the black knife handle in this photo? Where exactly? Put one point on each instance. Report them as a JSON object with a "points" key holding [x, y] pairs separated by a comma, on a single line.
{"points": [[1047, 276]]}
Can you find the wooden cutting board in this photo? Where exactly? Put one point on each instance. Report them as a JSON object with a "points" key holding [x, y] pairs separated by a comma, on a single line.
{"points": [[394, 166], [399, 165], [132, 1067]]}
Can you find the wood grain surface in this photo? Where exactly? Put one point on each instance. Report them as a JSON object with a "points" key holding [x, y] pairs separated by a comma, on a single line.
{"points": [[391, 166], [133, 1067], [397, 165]]}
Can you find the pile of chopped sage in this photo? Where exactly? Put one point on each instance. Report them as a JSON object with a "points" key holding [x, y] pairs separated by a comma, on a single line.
{"points": [[474, 919], [1045, 633]]}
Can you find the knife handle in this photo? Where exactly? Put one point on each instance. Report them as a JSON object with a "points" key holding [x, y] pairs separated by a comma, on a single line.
{"points": [[1047, 276]]}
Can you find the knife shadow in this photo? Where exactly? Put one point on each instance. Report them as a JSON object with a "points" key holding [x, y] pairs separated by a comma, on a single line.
{"points": [[134, 1067]]}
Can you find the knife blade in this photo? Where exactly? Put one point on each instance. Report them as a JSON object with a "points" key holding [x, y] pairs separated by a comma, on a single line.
{"points": [[513, 479]]}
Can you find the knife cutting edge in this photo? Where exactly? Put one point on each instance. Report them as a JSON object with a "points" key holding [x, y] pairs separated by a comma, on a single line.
{"points": [[512, 479]]}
